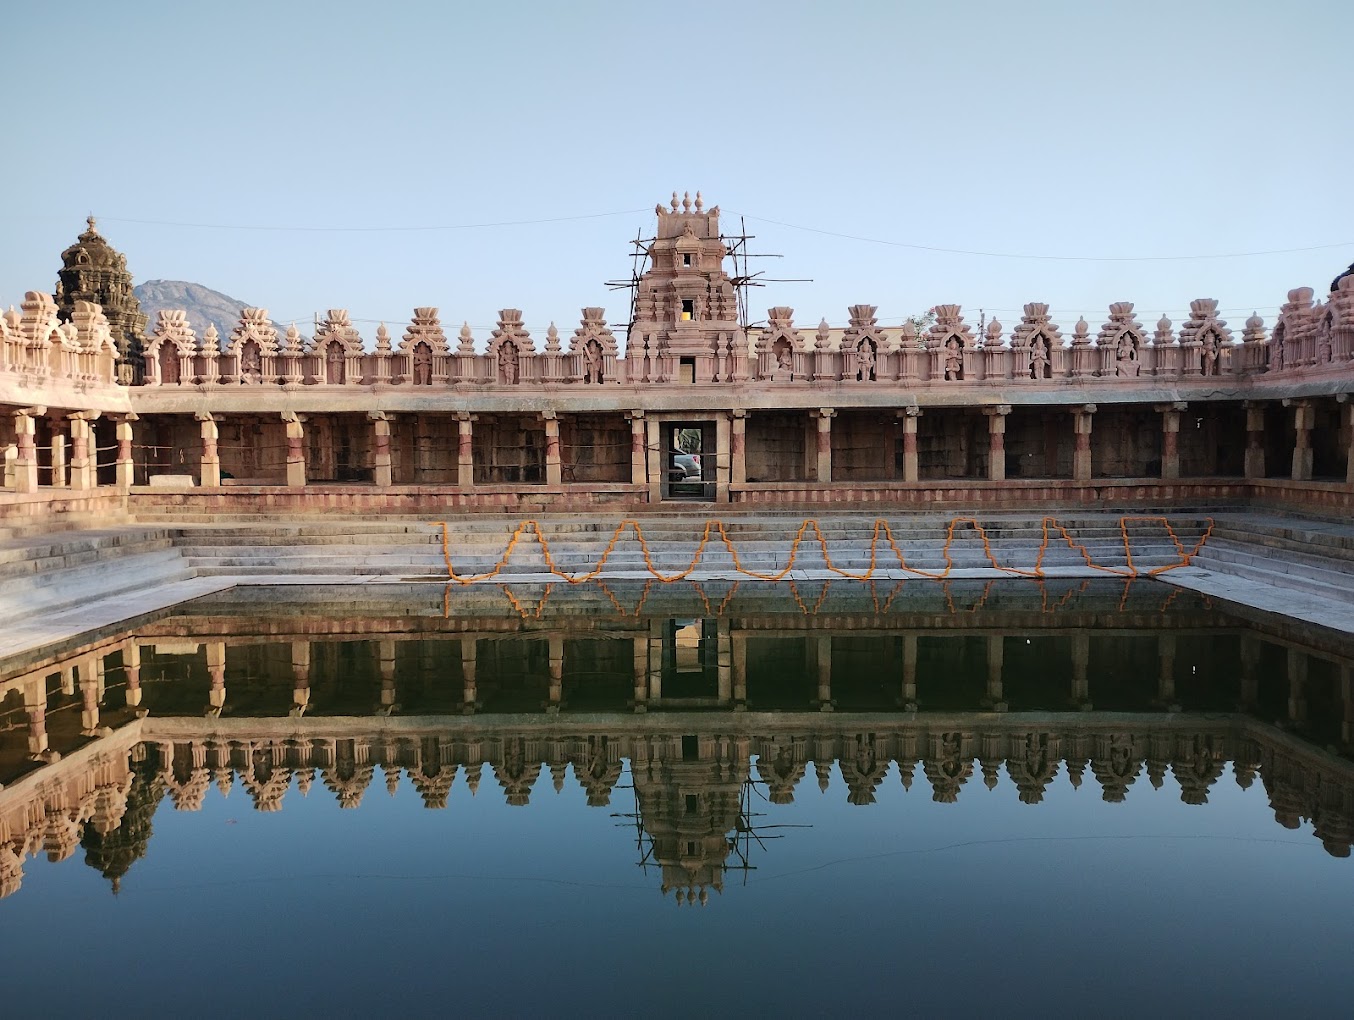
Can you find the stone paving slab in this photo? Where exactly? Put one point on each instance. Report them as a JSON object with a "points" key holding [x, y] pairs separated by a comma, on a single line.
{"points": [[1269, 598]]}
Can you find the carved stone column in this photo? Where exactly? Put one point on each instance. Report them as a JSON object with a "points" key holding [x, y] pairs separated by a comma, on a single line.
{"points": [[996, 658], [1166, 670], [89, 699], [909, 418], [554, 472], [996, 441], [381, 471], [657, 468], [83, 473], [211, 457], [1297, 685], [126, 466], [556, 691], [1255, 439], [1347, 412], [131, 670], [35, 707], [470, 688], [465, 450], [296, 450], [639, 469], [910, 670], [1303, 420], [738, 447], [385, 657], [820, 653], [723, 458], [724, 661], [1081, 452], [824, 444], [26, 459], [58, 478], [640, 665], [739, 649], [1081, 661], [1170, 438]]}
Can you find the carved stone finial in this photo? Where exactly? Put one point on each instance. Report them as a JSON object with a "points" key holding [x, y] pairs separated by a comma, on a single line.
{"points": [[686, 201], [90, 220], [701, 205], [382, 338], [658, 209], [674, 201], [552, 338], [994, 333], [467, 344], [1082, 328]]}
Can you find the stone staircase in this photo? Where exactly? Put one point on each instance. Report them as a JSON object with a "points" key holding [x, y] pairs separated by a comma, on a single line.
{"points": [[400, 547], [1315, 557]]}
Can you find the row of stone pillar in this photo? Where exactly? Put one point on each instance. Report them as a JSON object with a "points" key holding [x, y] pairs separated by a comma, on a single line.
{"points": [[74, 458]]}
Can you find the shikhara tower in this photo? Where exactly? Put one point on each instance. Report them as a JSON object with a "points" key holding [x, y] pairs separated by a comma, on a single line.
{"points": [[93, 270]]}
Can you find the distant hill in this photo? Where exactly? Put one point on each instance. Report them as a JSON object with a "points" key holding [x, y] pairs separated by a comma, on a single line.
{"points": [[202, 304]]}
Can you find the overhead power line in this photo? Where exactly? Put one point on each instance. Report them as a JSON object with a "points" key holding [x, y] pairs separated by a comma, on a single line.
{"points": [[1049, 258], [369, 230]]}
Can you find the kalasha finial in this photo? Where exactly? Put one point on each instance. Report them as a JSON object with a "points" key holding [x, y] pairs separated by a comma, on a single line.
{"points": [[90, 220], [686, 201], [674, 201], [699, 204]]}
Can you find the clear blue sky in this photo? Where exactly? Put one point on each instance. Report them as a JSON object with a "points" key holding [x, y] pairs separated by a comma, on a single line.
{"points": [[1077, 128]]}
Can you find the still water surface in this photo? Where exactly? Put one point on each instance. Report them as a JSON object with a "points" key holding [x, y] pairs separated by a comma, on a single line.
{"points": [[1010, 797]]}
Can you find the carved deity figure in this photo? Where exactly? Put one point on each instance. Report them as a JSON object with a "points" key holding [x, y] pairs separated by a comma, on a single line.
{"points": [[1126, 356], [1209, 354], [1324, 353], [1041, 358], [954, 359], [592, 362], [333, 364], [1276, 349], [783, 369], [251, 363], [507, 364], [422, 365], [865, 360], [169, 365]]}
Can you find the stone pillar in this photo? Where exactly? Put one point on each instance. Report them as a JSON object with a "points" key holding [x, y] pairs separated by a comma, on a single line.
{"points": [[381, 471], [300, 671], [738, 447], [823, 474], [131, 669], [1255, 439], [1303, 419], [1170, 438], [655, 660], [296, 450], [996, 441], [820, 655], [554, 471], [470, 690], [723, 457], [639, 466], [211, 457], [58, 478], [1250, 670], [83, 459], [465, 450], [26, 450], [909, 418], [1347, 411], [657, 469], [996, 657], [1081, 452], [216, 671], [126, 466], [1347, 703], [724, 661], [556, 694]]}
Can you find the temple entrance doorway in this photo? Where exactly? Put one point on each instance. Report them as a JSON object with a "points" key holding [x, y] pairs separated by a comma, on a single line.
{"points": [[688, 456]]}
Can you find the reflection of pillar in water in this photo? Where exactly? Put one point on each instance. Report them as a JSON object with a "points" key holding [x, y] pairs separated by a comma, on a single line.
{"points": [[656, 659], [1081, 657], [68, 680], [385, 652], [556, 672], [739, 649], [1166, 669], [89, 699], [300, 671], [995, 658], [131, 666], [724, 657], [820, 651], [910, 672], [640, 661], [1297, 685], [470, 691], [1250, 670], [216, 671], [1347, 703], [35, 706]]}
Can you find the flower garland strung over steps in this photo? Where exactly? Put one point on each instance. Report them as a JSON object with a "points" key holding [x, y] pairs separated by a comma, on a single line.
{"points": [[715, 529]]}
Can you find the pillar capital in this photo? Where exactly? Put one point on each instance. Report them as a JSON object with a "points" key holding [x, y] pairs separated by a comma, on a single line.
{"points": [[911, 411], [997, 409], [1176, 405], [549, 415], [635, 414], [85, 416], [824, 412], [466, 416], [380, 416], [204, 416], [739, 412], [36, 411]]}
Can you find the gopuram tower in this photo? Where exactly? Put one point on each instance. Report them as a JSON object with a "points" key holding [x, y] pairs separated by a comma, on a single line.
{"points": [[92, 270], [686, 312]]}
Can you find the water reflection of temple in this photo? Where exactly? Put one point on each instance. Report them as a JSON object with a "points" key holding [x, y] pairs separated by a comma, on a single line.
{"points": [[695, 708]]}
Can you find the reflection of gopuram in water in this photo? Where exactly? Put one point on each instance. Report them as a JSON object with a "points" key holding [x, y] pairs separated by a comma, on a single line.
{"points": [[694, 718]]}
